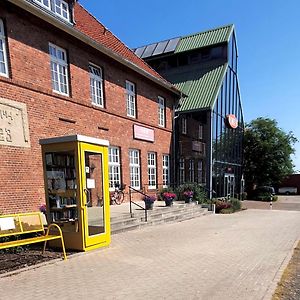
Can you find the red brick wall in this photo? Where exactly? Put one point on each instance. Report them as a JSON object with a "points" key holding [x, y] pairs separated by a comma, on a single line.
{"points": [[21, 174]]}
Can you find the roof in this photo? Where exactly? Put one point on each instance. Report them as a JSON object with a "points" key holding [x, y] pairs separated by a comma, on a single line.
{"points": [[205, 39], [201, 86], [89, 25], [186, 43]]}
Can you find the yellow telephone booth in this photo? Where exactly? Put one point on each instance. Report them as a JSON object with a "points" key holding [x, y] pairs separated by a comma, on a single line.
{"points": [[76, 187]]}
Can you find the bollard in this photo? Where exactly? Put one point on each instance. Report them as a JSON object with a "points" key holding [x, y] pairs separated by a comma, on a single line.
{"points": [[271, 204]]}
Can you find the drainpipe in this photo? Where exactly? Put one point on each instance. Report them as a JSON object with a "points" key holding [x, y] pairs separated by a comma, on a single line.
{"points": [[210, 167], [174, 140]]}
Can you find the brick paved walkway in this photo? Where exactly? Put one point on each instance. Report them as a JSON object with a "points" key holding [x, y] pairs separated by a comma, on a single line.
{"points": [[239, 256]]}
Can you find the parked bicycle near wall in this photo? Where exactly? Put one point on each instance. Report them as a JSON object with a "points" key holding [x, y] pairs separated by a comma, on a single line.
{"points": [[117, 196]]}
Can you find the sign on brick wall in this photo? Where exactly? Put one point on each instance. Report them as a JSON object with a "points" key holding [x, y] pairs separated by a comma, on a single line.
{"points": [[143, 133], [14, 129]]}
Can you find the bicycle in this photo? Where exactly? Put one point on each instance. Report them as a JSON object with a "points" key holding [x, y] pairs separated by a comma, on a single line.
{"points": [[117, 197]]}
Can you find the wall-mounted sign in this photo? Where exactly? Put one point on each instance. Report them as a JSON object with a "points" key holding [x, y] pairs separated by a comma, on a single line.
{"points": [[143, 133], [14, 129], [197, 146], [232, 121]]}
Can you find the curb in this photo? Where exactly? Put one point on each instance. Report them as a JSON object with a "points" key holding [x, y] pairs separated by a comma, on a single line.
{"points": [[277, 277]]}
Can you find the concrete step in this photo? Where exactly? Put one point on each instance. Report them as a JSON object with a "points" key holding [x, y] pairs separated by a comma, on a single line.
{"points": [[123, 221], [157, 216]]}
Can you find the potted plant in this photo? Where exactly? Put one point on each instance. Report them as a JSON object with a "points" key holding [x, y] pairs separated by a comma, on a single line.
{"points": [[149, 202], [188, 196], [169, 198]]}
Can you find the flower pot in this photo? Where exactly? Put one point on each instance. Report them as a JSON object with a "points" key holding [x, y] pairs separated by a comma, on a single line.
{"points": [[149, 205], [169, 202], [188, 200]]}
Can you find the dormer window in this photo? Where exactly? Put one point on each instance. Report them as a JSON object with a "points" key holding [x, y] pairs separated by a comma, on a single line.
{"points": [[58, 7]]}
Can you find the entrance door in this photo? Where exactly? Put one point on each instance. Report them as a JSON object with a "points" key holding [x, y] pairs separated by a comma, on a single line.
{"points": [[229, 185], [95, 194]]}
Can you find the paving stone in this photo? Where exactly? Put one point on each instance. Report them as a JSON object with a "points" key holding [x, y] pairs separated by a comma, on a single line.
{"points": [[238, 256]]}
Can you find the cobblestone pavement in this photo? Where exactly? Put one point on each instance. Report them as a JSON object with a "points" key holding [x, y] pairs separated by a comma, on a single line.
{"points": [[238, 256], [283, 203]]}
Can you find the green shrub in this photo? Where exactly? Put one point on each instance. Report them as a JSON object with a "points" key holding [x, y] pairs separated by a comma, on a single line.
{"points": [[199, 192], [229, 210], [220, 205], [236, 204], [275, 198], [265, 196]]}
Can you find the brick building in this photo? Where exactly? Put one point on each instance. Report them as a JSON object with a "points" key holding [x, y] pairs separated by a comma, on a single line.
{"points": [[62, 73], [209, 121]]}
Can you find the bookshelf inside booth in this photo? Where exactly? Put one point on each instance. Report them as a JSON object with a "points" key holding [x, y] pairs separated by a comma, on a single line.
{"points": [[62, 189]]}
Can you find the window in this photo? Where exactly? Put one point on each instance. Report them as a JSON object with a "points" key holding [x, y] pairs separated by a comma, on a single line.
{"points": [[200, 132], [161, 111], [134, 166], [151, 170], [191, 170], [58, 7], [114, 167], [166, 171], [130, 99], [183, 125], [181, 171], [200, 171], [59, 69], [3, 52], [96, 84]]}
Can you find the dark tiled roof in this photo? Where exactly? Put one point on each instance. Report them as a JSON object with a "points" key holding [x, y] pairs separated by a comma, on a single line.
{"points": [[90, 26]]}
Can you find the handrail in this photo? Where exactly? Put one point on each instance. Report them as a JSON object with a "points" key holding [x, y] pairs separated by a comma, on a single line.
{"points": [[132, 202]]}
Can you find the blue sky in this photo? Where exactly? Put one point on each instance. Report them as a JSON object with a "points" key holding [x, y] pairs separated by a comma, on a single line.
{"points": [[267, 36]]}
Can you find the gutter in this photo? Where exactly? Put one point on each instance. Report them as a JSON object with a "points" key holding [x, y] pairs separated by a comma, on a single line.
{"points": [[36, 11]]}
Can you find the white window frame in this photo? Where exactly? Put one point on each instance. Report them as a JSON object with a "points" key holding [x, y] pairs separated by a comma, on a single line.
{"points": [[130, 99], [191, 170], [4, 49], [56, 66], [181, 171], [58, 10], [184, 125], [200, 171], [151, 170], [114, 165], [96, 85], [166, 170], [200, 132], [135, 168], [161, 112]]}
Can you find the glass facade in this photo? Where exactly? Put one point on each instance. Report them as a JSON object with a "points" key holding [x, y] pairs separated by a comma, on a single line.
{"points": [[227, 142]]}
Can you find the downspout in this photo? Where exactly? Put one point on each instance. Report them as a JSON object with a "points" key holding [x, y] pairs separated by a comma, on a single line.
{"points": [[210, 166], [174, 140]]}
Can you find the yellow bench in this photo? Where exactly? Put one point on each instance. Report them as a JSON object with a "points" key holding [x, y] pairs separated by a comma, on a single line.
{"points": [[18, 224]]}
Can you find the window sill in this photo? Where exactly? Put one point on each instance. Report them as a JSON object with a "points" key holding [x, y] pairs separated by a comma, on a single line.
{"points": [[4, 75], [60, 93], [97, 105]]}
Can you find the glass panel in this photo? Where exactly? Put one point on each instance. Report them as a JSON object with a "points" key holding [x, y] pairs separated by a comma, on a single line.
{"points": [[62, 189], [31, 222], [94, 193]]}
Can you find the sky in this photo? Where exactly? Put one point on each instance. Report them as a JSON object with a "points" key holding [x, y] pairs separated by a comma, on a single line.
{"points": [[267, 36]]}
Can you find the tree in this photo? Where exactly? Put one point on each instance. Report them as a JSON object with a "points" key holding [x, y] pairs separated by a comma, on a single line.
{"points": [[268, 150]]}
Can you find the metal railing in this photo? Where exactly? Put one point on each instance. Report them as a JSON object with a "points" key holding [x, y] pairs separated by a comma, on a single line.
{"points": [[133, 190]]}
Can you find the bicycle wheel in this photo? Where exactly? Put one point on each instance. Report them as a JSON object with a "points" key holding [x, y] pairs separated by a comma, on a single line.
{"points": [[119, 198]]}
